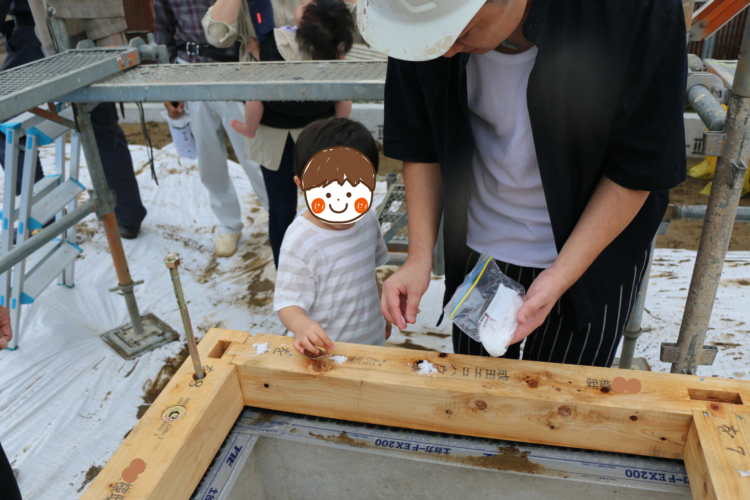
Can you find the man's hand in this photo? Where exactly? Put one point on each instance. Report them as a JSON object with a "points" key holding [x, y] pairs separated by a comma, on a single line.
{"points": [[175, 112], [5, 333], [402, 293], [609, 211], [541, 297], [310, 336]]}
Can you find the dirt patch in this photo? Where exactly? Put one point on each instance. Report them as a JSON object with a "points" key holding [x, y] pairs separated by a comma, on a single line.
{"points": [[342, 438], [208, 271], [508, 458], [408, 344], [725, 345], [152, 388], [93, 471]]}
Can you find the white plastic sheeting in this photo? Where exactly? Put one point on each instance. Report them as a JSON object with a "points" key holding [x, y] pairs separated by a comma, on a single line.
{"points": [[67, 400]]}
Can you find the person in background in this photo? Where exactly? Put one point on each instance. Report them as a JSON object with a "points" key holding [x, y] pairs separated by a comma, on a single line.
{"points": [[177, 24], [102, 21], [273, 146], [21, 46], [322, 31], [8, 485]]}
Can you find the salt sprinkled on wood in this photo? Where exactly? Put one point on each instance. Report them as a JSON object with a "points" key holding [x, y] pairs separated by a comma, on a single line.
{"points": [[339, 359], [426, 368], [261, 348]]}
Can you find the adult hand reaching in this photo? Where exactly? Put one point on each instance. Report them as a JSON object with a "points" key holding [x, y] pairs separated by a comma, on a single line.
{"points": [[175, 112], [5, 332], [540, 298], [402, 293]]}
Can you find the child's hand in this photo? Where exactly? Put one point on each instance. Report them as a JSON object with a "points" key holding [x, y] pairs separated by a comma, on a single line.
{"points": [[311, 335], [388, 328], [243, 129]]}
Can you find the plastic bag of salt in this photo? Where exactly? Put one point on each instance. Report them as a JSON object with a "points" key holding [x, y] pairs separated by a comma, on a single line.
{"points": [[486, 305]]}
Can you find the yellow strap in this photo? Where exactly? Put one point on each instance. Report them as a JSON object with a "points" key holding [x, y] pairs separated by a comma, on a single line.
{"points": [[470, 289]]}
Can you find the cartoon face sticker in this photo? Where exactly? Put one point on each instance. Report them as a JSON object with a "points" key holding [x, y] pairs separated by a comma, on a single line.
{"points": [[338, 184]]}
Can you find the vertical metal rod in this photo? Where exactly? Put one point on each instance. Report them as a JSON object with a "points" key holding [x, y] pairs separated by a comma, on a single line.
{"points": [[9, 207], [172, 261], [106, 213], [717, 227], [633, 328]]}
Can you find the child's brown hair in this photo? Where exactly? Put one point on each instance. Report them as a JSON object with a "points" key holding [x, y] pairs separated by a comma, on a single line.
{"points": [[325, 135]]}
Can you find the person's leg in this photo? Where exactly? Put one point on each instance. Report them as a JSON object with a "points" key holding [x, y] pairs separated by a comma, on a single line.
{"points": [[596, 343], [234, 111], [22, 47], [38, 174], [206, 124], [118, 169], [8, 485], [282, 192]]}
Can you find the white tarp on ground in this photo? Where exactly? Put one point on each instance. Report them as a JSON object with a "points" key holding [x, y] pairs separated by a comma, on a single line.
{"points": [[67, 400]]}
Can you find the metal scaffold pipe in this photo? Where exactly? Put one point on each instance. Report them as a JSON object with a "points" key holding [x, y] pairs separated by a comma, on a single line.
{"points": [[717, 227]]}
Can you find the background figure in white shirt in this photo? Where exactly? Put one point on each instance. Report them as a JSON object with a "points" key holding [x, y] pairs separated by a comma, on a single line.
{"points": [[326, 288]]}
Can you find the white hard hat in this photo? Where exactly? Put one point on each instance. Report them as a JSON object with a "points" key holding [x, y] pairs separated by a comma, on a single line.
{"points": [[414, 30]]}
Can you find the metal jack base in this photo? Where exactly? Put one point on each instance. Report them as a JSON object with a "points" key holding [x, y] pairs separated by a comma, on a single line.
{"points": [[639, 364], [155, 334]]}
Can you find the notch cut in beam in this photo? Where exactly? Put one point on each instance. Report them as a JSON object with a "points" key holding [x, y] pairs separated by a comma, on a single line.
{"points": [[717, 453]]}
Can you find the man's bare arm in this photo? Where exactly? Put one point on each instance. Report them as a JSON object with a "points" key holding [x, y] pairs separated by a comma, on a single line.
{"points": [[226, 11], [609, 211], [424, 199]]}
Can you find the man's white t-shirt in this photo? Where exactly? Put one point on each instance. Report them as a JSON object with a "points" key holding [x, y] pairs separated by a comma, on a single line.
{"points": [[508, 214], [331, 275]]}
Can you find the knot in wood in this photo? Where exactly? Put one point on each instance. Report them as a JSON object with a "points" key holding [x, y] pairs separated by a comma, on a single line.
{"points": [[715, 407], [480, 405], [320, 365], [564, 411], [532, 383]]}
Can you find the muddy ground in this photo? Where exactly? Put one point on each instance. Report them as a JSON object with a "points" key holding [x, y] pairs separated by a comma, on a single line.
{"points": [[682, 234]]}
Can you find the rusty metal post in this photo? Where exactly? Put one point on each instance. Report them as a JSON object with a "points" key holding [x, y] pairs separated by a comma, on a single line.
{"points": [[172, 261], [106, 213], [717, 226]]}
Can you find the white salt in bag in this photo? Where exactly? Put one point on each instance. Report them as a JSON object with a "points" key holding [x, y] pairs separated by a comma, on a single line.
{"points": [[486, 305], [182, 135]]}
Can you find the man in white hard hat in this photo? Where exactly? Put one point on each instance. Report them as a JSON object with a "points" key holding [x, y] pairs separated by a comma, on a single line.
{"points": [[548, 133]]}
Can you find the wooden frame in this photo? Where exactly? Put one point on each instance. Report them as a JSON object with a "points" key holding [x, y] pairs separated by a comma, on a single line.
{"points": [[705, 421]]}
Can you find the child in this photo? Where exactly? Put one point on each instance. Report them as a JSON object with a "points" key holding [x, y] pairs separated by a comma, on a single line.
{"points": [[326, 287], [324, 30]]}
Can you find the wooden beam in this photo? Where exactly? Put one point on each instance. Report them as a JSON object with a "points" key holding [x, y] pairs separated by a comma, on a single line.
{"points": [[604, 409], [176, 454], [717, 453], [554, 404]]}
